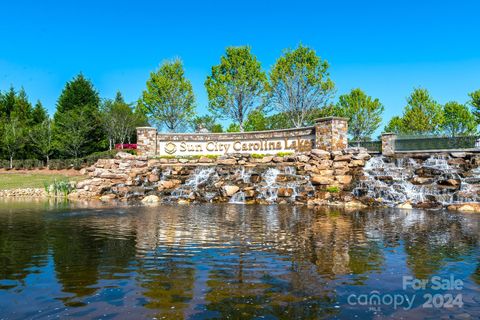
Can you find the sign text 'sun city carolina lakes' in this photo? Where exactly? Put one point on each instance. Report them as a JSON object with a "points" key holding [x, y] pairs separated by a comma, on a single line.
{"points": [[267, 146]]}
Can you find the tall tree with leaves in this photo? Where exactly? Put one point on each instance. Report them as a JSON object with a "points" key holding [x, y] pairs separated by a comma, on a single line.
{"points": [[119, 120], [458, 120], [206, 123], [363, 112], [41, 138], [475, 103], [395, 125], [79, 101], [169, 100], [236, 86], [300, 83], [12, 138], [422, 115], [39, 113]]}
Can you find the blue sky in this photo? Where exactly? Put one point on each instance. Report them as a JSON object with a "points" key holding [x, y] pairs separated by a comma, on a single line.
{"points": [[384, 47]]}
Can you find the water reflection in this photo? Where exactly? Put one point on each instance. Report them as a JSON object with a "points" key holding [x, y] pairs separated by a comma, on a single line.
{"points": [[215, 261]]}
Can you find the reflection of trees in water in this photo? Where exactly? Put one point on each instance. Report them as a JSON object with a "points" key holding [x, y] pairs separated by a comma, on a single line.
{"points": [[22, 246], [251, 260], [83, 255], [431, 239]]}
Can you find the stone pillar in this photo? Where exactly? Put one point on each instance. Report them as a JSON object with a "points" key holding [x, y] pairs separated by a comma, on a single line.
{"points": [[388, 143], [331, 133], [146, 141]]}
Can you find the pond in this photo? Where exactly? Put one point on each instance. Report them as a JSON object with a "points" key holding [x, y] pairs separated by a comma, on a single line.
{"points": [[236, 261]]}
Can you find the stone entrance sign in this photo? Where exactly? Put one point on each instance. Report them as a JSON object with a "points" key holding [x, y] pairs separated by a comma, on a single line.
{"points": [[328, 134]]}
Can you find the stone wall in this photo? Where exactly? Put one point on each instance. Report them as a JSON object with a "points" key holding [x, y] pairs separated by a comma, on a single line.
{"points": [[328, 134], [317, 177]]}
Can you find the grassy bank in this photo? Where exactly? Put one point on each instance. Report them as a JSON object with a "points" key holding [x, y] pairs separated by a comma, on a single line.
{"points": [[14, 180]]}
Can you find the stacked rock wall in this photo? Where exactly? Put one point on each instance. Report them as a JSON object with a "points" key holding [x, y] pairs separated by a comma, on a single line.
{"points": [[317, 177]]}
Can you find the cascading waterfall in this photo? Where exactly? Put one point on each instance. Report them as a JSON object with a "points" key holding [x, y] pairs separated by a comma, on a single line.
{"points": [[434, 180]]}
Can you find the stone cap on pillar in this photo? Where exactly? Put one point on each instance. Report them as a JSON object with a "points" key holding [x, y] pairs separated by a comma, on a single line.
{"points": [[389, 134], [330, 119], [147, 128]]}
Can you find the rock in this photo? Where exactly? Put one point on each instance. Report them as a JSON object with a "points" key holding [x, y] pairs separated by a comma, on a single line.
{"points": [[421, 181], [153, 177], [322, 154], [344, 179], [458, 154], [107, 197], [227, 162], [265, 159], [449, 183], [405, 205], [321, 180], [230, 190], [151, 199], [204, 159], [325, 172], [465, 207], [277, 159], [169, 184], [124, 156], [343, 157], [182, 160], [255, 178], [303, 158], [249, 193], [340, 164], [357, 163], [285, 192], [361, 156]]}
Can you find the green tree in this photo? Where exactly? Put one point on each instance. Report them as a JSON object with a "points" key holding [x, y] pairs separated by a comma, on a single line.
{"points": [[475, 103], [7, 103], [78, 93], [39, 113], [78, 99], [458, 120], [22, 108], [206, 123], [300, 83], [73, 135], [12, 138], [256, 121], [236, 86], [169, 98], [395, 125], [364, 114], [119, 120], [422, 115], [41, 138]]}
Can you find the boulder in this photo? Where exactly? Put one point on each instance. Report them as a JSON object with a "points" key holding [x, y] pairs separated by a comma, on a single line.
{"points": [[421, 180], [285, 192], [344, 179], [458, 154], [153, 177], [361, 156], [465, 207], [227, 162], [230, 190], [204, 159], [405, 205], [303, 158], [343, 157], [151, 199], [321, 180], [322, 154], [107, 197]]}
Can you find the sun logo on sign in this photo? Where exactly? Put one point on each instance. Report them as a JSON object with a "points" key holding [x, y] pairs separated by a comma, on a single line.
{"points": [[170, 148]]}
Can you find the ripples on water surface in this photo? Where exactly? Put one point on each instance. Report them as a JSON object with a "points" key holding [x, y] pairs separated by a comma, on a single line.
{"points": [[227, 261]]}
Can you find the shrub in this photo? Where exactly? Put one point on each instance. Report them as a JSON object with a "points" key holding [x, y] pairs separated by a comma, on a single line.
{"points": [[333, 189], [60, 187], [282, 154], [257, 155]]}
